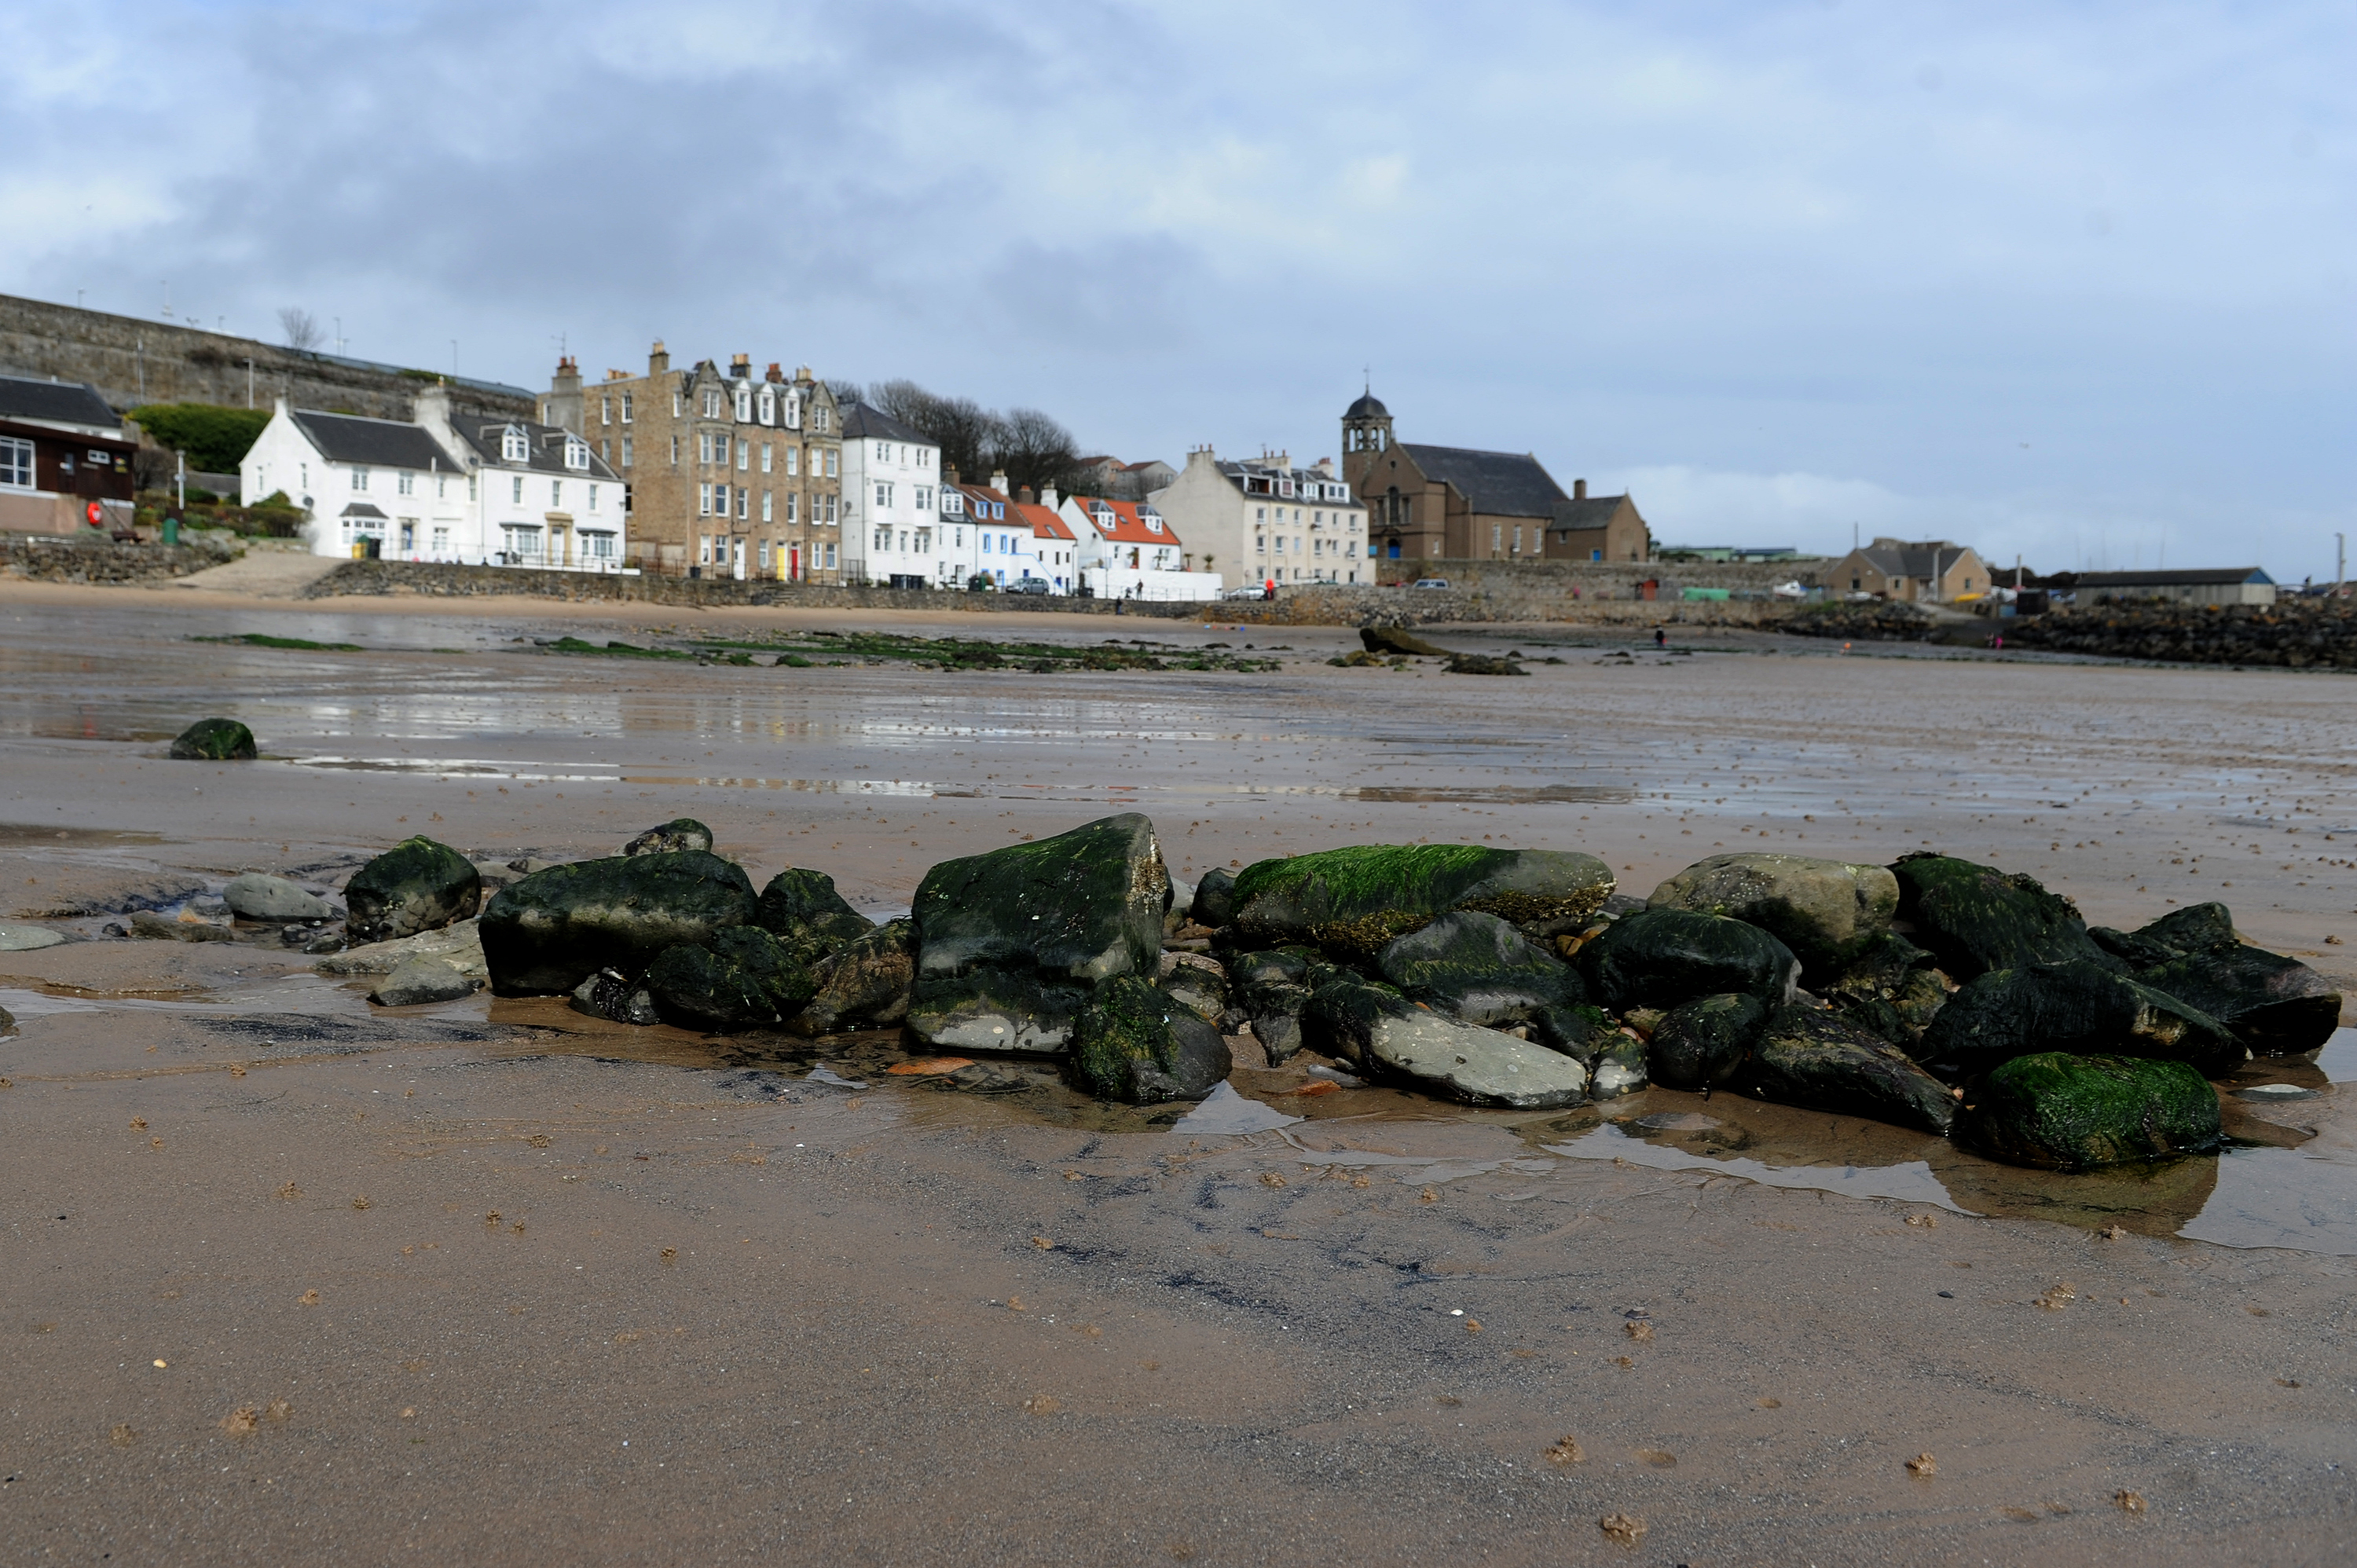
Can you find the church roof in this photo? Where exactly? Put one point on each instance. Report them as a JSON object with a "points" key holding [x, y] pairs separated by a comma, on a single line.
{"points": [[1587, 511], [1367, 407], [1501, 484]]}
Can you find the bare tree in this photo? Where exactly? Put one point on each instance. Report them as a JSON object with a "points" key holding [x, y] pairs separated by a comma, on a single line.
{"points": [[961, 427], [1035, 449], [302, 329], [847, 392]]}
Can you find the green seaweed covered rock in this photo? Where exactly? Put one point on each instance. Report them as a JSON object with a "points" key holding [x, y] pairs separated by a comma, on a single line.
{"points": [[802, 910], [1352, 901], [1132, 1041], [1826, 911], [546, 933], [1702, 1042], [416, 886], [2059, 1111], [1666, 958], [679, 834], [214, 740], [1010, 944], [865, 984], [1811, 1057], [1478, 969], [2079, 1007], [1973, 918], [742, 978], [2276, 1005]]}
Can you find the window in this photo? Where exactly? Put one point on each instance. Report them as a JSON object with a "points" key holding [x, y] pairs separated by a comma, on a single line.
{"points": [[305, 469], [925, 499], [720, 500], [744, 455], [769, 415], [703, 500], [704, 447], [765, 457], [406, 483], [883, 540], [441, 541], [834, 464], [1260, 514], [883, 451], [472, 485], [360, 480], [626, 451], [883, 497], [704, 549], [712, 404], [986, 543], [793, 461], [513, 446], [744, 501], [16, 463], [557, 495], [1497, 536], [593, 498], [675, 406], [821, 421], [605, 410], [767, 510], [830, 552], [833, 506], [626, 411], [518, 496], [794, 509], [1260, 543], [744, 406], [441, 486], [720, 450], [601, 546], [674, 451], [577, 453]]}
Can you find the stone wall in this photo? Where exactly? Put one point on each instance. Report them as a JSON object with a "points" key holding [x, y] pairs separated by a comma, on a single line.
{"points": [[132, 361], [1603, 579], [103, 561]]}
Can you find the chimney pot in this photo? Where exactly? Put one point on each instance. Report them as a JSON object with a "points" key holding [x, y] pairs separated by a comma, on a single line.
{"points": [[1579, 489]]}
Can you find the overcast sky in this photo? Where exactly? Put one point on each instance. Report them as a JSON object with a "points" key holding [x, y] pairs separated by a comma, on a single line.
{"points": [[2075, 281]]}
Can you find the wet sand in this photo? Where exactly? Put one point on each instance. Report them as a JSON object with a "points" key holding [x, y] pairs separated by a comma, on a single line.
{"points": [[725, 1310]]}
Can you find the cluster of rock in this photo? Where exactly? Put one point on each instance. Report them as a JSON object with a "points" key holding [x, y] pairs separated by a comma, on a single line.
{"points": [[2296, 634], [1860, 621], [1934, 994]]}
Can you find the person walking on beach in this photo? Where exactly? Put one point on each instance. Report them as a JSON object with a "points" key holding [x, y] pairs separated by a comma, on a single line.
{"points": [[1661, 638]]}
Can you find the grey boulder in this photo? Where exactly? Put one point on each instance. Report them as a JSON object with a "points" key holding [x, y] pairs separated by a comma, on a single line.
{"points": [[1826, 911], [422, 980], [258, 896], [416, 886]]}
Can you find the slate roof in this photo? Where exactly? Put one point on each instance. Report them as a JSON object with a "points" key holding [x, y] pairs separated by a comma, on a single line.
{"points": [[544, 442], [1591, 511], [1913, 560], [980, 498], [56, 403], [362, 509], [861, 423], [1367, 407], [2187, 577], [374, 442], [1499, 484], [1237, 472]]}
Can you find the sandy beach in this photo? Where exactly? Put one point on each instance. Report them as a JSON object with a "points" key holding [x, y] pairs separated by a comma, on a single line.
{"points": [[491, 1281]]}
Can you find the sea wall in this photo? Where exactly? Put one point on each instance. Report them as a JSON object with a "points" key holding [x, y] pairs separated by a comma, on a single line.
{"points": [[2295, 634]]}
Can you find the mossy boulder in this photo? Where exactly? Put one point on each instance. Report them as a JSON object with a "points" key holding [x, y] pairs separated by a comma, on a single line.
{"points": [[1352, 901], [1133, 1042], [2060, 1112], [1478, 969], [802, 910], [1702, 1043], [1666, 958], [740, 978], [1973, 918], [866, 984], [1893, 989], [416, 886], [2274, 1005], [214, 740], [548, 932], [1011, 943], [1826, 911], [1270, 989], [2078, 1007], [671, 837], [1808, 1057]]}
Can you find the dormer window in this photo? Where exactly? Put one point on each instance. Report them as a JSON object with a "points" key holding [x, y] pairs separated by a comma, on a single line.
{"points": [[577, 454], [1285, 487], [514, 447], [712, 405], [769, 406], [744, 406], [1153, 519], [793, 413]]}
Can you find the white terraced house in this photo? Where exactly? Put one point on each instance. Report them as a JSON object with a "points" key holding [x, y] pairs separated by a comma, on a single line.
{"points": [[481, 489], [891, 504]]}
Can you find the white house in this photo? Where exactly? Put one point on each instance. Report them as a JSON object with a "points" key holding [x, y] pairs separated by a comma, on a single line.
{"points": [[1128, 550], [892, 507], [1267, 522], [474, 489], [1015, 538]]}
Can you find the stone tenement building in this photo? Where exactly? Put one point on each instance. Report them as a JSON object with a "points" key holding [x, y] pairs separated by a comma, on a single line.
{"points": [[1458, 503], [133, 362], [733, 475]]}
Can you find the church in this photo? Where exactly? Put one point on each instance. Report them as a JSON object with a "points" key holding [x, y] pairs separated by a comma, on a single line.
{"points": [[1454, 504]]}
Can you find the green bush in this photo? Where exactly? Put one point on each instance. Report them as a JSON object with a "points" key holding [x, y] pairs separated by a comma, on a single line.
{"points": [[214, 438]]}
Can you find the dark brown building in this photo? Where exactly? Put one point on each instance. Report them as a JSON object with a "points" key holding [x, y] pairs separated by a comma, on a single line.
{"points": [[61, 451]]}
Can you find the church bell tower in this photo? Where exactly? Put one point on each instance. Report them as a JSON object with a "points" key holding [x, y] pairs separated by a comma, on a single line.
{"points": [[1366, 432]]}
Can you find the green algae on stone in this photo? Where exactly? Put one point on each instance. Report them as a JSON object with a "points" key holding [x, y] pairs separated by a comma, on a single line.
{"points": [[546, 933], [1808, 1058], [416, 886], [1826, 911], [1704, 1041], [2060, 1112], [1133, 1043], [1478, 969], [2078, 1007], [214, 740], [1352, 901], [1975, 918], [741, 978], [865, 984], [1081, 906], [802, 910], [1665, 958]]}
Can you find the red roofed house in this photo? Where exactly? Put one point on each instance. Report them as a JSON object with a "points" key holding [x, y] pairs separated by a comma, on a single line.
{"points": [[1128, 550]]}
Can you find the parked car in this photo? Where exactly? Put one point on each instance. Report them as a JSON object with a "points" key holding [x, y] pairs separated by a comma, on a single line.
{"points": [[1028, 585], [1249, 591], [1432, 582]]}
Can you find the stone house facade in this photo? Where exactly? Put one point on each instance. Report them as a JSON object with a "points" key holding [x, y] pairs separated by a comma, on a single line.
{"points": [[1927, 571], [729, 473], [1265, 521]]}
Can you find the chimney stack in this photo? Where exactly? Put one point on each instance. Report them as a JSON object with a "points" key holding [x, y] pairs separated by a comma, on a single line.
{"points": [[659, 360], [1579, 489], [1025, 498], [775, 374]]}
